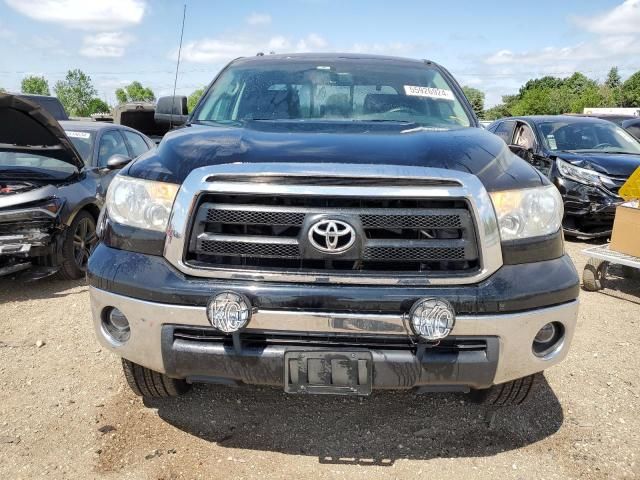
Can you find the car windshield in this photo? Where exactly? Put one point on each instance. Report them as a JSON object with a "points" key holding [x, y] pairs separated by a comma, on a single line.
{"points": [[588, 137], [28, 165], [83, 141], [333, 91]]}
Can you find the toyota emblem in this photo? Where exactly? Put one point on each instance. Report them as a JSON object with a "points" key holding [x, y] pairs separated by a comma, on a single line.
{"points": [[332, 236]]}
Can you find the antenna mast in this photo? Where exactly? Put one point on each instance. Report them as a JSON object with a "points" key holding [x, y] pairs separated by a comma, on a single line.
{"points": [[175, 81]]}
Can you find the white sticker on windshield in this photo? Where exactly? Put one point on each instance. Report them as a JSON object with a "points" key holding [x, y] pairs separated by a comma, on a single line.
{"points": [[552, 142], [430, 92], [78, 134]]}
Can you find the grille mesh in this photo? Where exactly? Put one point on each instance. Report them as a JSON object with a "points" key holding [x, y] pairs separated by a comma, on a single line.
{"points": [[425, 254], [254, 217], [411, 221], [214, 247]]}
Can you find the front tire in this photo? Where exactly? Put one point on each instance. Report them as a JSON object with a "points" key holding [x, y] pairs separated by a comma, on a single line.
{"points": [[81, 238], [149, 384], [506, 394]]}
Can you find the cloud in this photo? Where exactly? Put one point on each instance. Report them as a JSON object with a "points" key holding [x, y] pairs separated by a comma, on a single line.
{"points": [[83, 14], [625, 18], [259, 19], [218, 50], [105, 44], [614, 40]]}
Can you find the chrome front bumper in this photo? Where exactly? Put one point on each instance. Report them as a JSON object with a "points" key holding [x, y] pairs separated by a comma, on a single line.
{"points": [[515, 331]]}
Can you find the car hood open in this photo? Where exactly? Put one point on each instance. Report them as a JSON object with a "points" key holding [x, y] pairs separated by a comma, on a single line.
{"points": [[27, 127]]}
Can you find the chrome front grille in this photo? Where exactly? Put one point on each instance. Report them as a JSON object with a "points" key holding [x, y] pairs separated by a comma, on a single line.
{"points": [[252, 231], [413, 225]]}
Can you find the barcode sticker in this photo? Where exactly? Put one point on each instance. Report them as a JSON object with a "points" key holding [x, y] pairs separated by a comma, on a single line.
{"points": [[78, 134], [429, 92]]}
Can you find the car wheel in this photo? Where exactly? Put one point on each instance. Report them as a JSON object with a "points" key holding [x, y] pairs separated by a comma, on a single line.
{"points": [[594, 274], [81, 238], [149, 384], [506, 394]]}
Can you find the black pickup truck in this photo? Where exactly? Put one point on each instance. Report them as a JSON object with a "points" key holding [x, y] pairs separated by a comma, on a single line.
{"points": [[333, 224]]}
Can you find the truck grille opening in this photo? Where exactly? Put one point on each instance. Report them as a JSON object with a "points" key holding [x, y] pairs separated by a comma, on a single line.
{"points": [[320, 340], [404, 235]]}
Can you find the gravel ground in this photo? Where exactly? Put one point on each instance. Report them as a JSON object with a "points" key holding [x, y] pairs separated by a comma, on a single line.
{"points": [[65, 411]]}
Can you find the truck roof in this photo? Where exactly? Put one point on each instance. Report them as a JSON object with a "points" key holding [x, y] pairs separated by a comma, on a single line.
{"points": [[329, 57]]}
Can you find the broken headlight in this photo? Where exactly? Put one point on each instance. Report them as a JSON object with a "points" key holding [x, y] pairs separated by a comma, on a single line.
{"points": [[140, 203], [578, 174], [530, 212]]}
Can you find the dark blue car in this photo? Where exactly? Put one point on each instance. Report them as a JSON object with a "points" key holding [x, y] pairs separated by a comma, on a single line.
{"points": [[588, 159]]}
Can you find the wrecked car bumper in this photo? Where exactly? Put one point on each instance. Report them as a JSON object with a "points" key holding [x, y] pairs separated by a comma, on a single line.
{"points": [[589, 210], [490, 343], [26, 234]]}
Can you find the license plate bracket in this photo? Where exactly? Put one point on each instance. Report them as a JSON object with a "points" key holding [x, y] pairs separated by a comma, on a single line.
{"points": [[323, 372]]}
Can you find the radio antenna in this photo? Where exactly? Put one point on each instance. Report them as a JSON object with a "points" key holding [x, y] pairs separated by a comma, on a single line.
{"points": [[175, 81]]}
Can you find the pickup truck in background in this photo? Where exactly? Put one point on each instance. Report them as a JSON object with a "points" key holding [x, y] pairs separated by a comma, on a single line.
{"points": [[333, 224]]}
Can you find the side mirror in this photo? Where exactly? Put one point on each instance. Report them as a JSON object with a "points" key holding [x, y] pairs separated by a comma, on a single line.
{"points": [[172, 110], [524, 153], [117, 161]]}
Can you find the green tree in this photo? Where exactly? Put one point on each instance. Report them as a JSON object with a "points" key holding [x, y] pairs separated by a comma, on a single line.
{"points": [[98, 106], [135, 92], [2, 90], [631, 91], [476, 99], [76, 93], [192, 100], [35, 85], [613, 79]]}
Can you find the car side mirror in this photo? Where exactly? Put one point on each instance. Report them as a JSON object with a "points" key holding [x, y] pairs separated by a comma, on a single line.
{"points": [[172, 110], [522, 152], [117, 161]]}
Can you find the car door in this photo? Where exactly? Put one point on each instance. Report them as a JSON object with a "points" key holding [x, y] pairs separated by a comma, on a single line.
{"points": [[110, 143]]}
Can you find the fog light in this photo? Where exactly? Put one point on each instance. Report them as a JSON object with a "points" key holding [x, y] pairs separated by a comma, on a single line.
{"points": [[432, 318], [547, 339], [546, 333], [229, 311], [116, 325]]}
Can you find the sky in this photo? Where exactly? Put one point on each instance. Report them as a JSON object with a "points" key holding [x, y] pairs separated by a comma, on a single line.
{"points": [[495, 46]]}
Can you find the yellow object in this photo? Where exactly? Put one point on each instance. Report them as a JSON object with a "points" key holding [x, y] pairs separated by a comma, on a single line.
{"points": [[631, 188]]}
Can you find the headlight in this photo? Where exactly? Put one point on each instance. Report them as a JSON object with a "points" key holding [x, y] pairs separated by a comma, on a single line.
{"points": [[140, 203], [530, 212], [580, 175]]}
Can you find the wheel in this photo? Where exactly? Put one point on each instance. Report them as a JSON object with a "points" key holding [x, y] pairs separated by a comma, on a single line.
{"points": [[81, 238], [150, 384], [511, 393], [594, 274]]}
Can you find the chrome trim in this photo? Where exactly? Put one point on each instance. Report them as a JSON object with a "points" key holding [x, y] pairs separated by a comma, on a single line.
{"points": [[203, 180], [516, 331]]}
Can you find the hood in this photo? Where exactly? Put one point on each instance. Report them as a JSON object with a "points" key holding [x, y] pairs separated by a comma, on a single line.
{"points": [[27, 127], [617, 165], [470, 150]]}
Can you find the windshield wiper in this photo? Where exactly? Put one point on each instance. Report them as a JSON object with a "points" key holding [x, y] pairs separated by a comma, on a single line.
{"points": [[619, 152], [217, 122]]}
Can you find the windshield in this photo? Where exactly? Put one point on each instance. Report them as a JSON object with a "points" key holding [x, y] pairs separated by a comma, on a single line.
{"points": [[83, 141], [28, 165], [588, 137], [328, 91]]}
